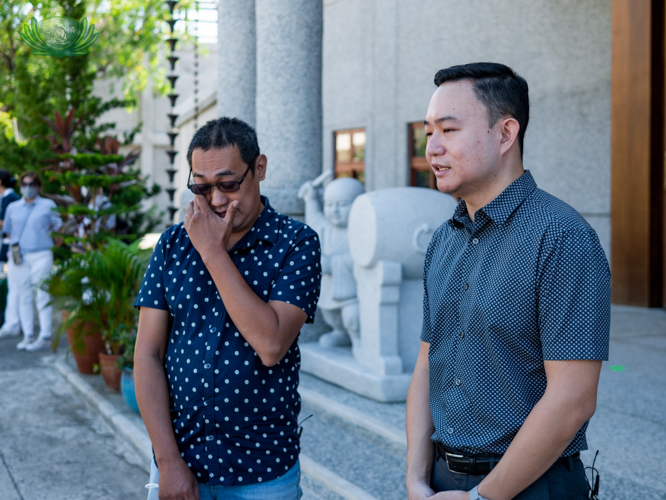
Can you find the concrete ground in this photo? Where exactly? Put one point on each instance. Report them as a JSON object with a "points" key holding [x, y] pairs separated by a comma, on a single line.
{"points": [[53, 446], [629, 427]]}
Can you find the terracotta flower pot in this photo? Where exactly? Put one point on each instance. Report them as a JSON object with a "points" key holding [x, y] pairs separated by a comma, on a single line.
{"points": [[94, 345], [108, 364]]}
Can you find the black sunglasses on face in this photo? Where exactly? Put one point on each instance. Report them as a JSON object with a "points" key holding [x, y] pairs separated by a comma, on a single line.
{"points": [[225, 186]]}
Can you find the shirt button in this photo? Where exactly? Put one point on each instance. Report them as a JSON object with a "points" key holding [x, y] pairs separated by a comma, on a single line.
{"points": [[450, 430], [457, 381], [475, 240], [465, 286], [206, 403], [209, 438], [207, 366], [462, 335], [213, 329]]}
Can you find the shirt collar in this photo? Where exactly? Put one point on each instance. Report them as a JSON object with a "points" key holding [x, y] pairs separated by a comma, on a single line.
{"points": [[501, 208], [265, 228]]}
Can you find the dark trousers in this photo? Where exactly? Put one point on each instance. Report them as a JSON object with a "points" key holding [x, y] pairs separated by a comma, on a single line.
{"points": [[558, 483]]}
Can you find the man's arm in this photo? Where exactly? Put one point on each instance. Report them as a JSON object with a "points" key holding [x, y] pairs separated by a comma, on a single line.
{"points": [[176, 480], [420, 450], [270, 328], [569, 401]]}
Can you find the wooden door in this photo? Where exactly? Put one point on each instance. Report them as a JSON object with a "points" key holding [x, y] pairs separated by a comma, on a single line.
{"points": [[638, 243]]}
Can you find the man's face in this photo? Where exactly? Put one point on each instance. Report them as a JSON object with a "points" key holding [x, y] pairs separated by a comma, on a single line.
{"points": [[225, 164], [462, 150]]}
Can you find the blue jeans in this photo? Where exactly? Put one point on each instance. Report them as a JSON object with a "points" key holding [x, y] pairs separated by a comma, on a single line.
{"points": [[286, 487]]}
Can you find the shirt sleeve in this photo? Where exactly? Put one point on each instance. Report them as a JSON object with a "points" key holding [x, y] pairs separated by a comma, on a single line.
{"points": [[426, 331], [56, 221], [152, 291], [7, 224], [298, 281], [574, 298], [3, 207]]}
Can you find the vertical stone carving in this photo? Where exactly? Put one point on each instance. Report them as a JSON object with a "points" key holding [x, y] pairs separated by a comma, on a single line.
{"points": [[338, 302], [388, 234], [289, 108], [237, 69]]}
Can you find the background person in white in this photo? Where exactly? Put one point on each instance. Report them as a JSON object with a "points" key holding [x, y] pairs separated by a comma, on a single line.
{"points": [[29, 223], [11, 325]]}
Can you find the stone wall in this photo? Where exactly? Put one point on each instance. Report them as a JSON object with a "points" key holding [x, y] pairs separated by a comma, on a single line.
{"points": [[380, 58]]}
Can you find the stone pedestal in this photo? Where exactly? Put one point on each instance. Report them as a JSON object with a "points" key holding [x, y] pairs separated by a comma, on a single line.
{"points": [[389, 232], [289, 108], [237, 70]]}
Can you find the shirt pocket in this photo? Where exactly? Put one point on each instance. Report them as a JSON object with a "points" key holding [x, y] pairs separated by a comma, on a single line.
{"points": [[260, 281]]}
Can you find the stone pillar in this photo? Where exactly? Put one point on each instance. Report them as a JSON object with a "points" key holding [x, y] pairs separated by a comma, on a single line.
{"points": [[237, 71], [289, 107]]}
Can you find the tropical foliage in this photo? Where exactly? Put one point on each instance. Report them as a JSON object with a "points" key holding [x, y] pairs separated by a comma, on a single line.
{"points": [[128, 52], [98, 288]]}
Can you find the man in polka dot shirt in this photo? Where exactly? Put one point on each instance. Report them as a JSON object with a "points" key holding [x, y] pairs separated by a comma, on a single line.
{"points": [[516, 311], [221, 305]]}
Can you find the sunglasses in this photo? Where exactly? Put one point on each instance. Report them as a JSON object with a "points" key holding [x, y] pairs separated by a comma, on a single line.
{"points": [[28, 184], [225, 186]]}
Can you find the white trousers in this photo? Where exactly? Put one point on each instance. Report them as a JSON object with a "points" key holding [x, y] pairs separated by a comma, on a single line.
{"points": [[24, 280], [11, 309]]}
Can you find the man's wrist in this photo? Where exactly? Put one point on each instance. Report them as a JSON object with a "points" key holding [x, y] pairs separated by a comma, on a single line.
{"points": [[212, 256], [474, 494]]}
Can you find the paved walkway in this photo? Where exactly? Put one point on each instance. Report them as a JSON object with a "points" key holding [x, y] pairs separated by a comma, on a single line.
{"points": [[629, 427], [56, 447], [53, 446]]}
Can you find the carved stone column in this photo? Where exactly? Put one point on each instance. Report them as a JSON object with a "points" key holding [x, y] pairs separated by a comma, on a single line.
{"points": [[237, 71], [289, 107]]}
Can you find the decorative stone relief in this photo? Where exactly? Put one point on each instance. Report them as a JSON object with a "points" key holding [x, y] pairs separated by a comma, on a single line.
{"points": [[388, 234], [338, 302]]}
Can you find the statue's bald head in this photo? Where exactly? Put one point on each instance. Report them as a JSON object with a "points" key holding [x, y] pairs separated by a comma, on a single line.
{"points": [[338, 198]]}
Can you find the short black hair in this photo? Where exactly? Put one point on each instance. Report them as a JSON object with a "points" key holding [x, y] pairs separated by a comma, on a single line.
{"points": [[35, 177], [498, 87], [7, 179], [225, 132]]}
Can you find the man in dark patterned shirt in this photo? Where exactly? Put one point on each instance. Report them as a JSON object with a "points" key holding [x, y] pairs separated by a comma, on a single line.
{"points": [[222, 302], [516, 311]]}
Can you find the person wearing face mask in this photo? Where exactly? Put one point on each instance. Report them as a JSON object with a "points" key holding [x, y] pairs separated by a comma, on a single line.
{"points": [[29, 222], [11, 324]]}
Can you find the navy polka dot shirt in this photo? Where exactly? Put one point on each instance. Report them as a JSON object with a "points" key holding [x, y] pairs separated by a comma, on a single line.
{"points": [[527, 281], [235, 420]]}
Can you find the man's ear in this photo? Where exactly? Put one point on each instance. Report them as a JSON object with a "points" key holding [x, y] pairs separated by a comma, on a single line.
{"points": [[509, 128], [260, 167]]}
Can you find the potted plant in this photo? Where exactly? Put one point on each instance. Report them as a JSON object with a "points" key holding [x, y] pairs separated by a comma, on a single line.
{"points": [[67, 287], [116, 270], [97, 289], [126, 363]]}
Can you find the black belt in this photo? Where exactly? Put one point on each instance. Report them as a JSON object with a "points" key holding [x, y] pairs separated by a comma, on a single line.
{"points": [[462, 463]]}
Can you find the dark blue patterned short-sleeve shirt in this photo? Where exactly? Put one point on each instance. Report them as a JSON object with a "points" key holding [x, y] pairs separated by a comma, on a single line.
{"points": [[235, 420], [527, 281]]}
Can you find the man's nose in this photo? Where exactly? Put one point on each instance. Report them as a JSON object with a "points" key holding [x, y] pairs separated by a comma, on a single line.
{"points": [[435, 146], [218, 198]]}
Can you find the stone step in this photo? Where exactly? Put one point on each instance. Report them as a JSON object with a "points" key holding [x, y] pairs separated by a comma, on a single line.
{"points": [[366, 453], [319, 481]]}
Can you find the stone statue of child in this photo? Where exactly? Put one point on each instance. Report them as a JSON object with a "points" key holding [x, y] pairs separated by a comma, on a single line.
{"points": [[337, 301]]}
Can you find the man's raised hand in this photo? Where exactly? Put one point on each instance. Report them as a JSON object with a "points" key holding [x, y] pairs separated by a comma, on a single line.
{"points": [[208, 232]]}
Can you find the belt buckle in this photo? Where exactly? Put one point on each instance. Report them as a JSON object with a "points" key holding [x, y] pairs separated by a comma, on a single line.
{"points": [[464, 465]]}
